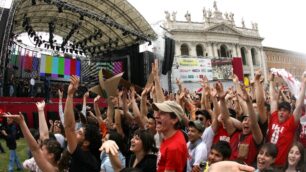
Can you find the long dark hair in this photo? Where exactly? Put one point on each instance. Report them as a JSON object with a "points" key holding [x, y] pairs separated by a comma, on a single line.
{"points": [[300, 165], [147, 139]]}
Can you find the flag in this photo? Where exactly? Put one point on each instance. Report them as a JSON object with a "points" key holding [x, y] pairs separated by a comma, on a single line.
{"points": [[293, 84]]}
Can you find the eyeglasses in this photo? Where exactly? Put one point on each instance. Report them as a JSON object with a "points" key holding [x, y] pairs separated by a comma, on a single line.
{"points": [[200, 119]]}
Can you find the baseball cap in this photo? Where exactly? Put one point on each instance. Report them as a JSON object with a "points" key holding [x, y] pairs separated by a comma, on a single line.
{"points": [[197, 124], [170, 106]]}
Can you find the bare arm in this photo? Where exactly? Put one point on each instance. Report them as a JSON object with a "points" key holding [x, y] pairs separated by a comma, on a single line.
{"points": [[86, 95], [273, 95], [111, 148], [300, 102], [215, 113], [97, 110], [69, 115], [158, 90], [43, 127], [60, 106], [136, 111], [118, 122], [260, 98], [255, 129], [230, 128], [38, 155]]}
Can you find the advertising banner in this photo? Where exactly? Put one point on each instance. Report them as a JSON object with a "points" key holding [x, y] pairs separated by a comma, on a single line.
{"points": [[192, 69]]}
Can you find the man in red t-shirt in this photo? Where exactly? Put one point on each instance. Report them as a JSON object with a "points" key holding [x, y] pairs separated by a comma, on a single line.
{"points": [[245, 142], [283, 125], [173, 154]]}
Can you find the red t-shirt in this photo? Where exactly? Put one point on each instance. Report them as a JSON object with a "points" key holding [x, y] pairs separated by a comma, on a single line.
{"points": [[173, 153], [302, 134], [221, 135], [281, 134], [253, 149]]}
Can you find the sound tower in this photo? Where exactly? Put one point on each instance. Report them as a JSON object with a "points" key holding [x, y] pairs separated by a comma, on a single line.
{"points": [[3, 24], [168, 56], [145, 62]]}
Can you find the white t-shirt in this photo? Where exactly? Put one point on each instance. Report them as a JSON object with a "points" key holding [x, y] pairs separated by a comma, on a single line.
{"points": [[196, 155], [207, 138]]}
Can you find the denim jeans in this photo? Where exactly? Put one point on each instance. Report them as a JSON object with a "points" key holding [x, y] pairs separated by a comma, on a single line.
{"points": [[14, 159]]}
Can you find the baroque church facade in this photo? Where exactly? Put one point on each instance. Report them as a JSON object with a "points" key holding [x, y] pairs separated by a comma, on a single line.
{"points": [[217, 37]]}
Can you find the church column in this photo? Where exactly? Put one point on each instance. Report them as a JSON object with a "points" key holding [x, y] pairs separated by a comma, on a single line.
{"points": [[216, 50], [210, 50], [250, 63], [234, 50], [177, 48], [237, 47], [263, 63], [193, 50]]}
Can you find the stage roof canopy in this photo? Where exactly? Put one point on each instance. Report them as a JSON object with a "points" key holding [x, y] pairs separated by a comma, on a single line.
{"points": [[91, 25]]}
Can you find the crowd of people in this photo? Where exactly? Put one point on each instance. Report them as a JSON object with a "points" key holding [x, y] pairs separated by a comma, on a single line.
{"points": [[216, 129]]}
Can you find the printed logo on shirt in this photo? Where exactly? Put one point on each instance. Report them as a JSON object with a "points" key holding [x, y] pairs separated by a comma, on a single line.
{"points": [[225, 138], [276, 131]]}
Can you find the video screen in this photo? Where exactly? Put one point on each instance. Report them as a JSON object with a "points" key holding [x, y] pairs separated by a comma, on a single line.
{"points": [[59, 68]]}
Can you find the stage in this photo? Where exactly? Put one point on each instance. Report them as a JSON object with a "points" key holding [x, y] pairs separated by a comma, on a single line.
{"points": [[27, 106]]}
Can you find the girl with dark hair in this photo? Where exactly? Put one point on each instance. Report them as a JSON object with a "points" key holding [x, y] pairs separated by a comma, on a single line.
{"points": [[266, 157], [295, 159], [144, 149]]}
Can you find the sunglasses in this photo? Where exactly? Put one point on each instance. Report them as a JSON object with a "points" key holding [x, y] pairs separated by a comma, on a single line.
{"points": [[199, 118]]}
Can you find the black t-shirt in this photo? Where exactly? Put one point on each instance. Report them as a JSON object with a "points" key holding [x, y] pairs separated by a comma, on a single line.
{"points": [[83, 161], [11, 131], [147, 164]]}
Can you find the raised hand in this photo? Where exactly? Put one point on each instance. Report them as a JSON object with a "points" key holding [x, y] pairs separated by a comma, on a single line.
{"points": [[133, 92], [18, 118], [220, 91], [155, 68], [74, 84], [40, 105], [213, 92], [96, 99], [245, 96], [60, 94], [235, 78], [110, 146], [204, 81], [178, 82], [271, 77], [51, 122], [257, 75], [86, 94]]}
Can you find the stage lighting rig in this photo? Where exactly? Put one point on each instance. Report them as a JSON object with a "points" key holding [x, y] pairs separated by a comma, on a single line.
{"points": [[101, 18]]}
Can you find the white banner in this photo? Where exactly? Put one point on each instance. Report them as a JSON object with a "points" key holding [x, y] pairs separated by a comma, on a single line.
{"points": [[192, 69]]}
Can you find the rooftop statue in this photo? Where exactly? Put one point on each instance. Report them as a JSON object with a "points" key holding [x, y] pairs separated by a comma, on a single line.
{"points": [[167, 15], [204, 13], [215, 6], [242, 23], [231, 16], [188, 16], [174, 16]]}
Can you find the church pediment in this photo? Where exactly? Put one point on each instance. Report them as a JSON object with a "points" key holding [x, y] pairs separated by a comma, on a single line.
{"points": [[223, 28]]}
